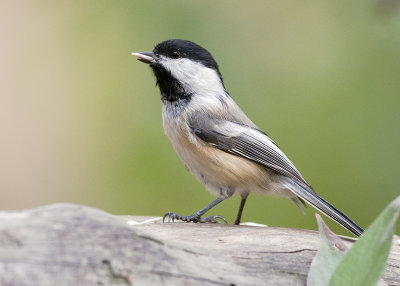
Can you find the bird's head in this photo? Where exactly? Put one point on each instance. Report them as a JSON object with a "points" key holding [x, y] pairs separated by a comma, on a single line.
{"points": [[183, 68]]}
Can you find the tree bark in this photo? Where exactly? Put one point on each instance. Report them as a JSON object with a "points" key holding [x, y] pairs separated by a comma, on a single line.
{"points": [[67, 244]]}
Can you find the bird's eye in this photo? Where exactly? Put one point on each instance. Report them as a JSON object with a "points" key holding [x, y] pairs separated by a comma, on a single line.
{"points": [[175, 55]]}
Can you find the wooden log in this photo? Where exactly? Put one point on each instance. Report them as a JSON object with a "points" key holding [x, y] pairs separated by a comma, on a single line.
{"points": [[66, 244]]}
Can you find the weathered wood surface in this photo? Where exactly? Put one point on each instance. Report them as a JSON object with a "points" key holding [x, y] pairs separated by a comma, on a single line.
{"points": [[67, 244]]}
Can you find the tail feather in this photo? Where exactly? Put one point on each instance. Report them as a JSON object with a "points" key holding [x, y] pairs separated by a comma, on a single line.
{"points": [[306, 193]]}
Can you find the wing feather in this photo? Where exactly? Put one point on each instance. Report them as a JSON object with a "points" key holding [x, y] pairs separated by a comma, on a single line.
{"points": [[248, 142], [253, 144]]}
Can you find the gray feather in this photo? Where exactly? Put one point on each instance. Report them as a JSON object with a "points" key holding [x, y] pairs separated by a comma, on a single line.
{"points": [[245, 143], [253, 144]]}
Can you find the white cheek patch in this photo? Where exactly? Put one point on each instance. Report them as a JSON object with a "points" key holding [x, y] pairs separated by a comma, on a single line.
{"points": [[194, 76]]}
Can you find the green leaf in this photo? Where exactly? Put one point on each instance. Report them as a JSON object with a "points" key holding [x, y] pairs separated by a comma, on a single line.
{"points": [[330, 253], [364, 262]]}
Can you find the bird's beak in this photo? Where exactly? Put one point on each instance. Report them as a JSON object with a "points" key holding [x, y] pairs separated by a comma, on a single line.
{"points": [[145, 57]]}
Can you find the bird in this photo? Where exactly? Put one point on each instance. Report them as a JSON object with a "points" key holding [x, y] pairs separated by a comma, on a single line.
{"points": [[215, 139]]}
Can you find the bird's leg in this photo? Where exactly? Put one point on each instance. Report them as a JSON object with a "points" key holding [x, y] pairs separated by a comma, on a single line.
{"points": [[241, 207], [196, 217]]}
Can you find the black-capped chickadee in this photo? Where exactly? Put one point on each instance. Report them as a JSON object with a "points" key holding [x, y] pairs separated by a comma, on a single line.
{"points": [[216, 141]]}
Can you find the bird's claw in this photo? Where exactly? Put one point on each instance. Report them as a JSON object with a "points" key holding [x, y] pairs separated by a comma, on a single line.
{"points": [[193, 218], [172, 216], [213, 219]]}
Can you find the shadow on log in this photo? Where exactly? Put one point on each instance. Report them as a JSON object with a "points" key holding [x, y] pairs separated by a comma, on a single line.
{"points": [[67, 244]]}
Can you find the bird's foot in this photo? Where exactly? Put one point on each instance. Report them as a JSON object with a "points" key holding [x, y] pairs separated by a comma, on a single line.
{"points": [[193, 218]]}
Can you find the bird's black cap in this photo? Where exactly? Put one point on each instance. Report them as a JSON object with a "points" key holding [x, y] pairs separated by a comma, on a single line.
{"points": [[177, 48]]}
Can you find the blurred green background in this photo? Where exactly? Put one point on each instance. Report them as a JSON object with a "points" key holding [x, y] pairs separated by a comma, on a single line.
{"points": [[80, 118]]}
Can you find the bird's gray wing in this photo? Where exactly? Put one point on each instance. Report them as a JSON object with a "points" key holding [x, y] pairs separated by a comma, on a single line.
{"points": [[251, 143], [245, 141]]}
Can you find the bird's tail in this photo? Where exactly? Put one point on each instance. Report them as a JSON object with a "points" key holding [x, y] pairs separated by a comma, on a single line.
{"points": [[307, 193]]}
